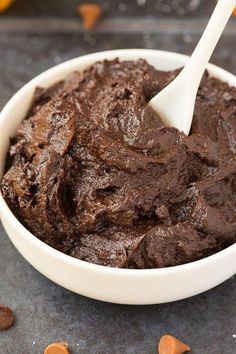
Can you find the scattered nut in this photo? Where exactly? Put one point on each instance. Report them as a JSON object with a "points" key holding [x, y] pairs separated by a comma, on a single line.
{"points": [[57, 348], [7, 317], [90, 14], [171, 345], [4, 4]]}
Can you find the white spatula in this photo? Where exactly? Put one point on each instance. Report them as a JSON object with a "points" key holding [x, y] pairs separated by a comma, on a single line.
{"points": [[175, 103]]}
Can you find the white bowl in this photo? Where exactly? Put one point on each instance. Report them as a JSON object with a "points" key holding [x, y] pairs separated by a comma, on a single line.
{"points": [[122, 286]]}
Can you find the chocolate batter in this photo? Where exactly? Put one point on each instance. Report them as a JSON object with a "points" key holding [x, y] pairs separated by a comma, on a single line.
{"points": [[94, 172]]}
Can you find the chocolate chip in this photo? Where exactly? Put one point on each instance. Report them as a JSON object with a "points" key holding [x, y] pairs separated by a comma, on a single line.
{"points": [[90, 14], [57, 348], [7, 317], [171, 345]]}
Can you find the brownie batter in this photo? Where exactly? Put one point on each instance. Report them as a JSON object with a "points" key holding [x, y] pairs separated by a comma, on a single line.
{"points": [[95, 173]]}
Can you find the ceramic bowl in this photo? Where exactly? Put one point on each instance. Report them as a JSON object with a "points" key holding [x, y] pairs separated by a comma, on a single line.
{"points": [[122, 286]]}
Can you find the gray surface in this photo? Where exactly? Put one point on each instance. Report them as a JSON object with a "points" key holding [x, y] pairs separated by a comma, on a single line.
{"points": [[46, 312], [130, 8]]}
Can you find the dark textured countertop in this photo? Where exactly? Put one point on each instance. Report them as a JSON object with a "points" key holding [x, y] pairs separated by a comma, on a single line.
{"points": [[34, 37]]}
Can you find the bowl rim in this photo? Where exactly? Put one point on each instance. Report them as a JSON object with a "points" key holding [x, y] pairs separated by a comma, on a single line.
{"points": [[6, 212]]}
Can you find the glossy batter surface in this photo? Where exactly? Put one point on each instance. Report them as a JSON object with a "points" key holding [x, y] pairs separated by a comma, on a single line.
{"points": [[94, 172]]}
